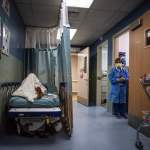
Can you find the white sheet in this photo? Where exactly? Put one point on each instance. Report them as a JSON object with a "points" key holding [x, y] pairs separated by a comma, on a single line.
{"points": [[55, 109], [27, 88]]}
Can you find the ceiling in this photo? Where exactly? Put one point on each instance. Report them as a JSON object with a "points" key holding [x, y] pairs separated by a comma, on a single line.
{"points": [[41, 13], [91, 23]]}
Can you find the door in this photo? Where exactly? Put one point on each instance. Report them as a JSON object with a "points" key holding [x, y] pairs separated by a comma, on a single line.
{"points": [[83, 77], [102, 70]]}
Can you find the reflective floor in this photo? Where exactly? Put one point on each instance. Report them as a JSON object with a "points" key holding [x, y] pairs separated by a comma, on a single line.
{"points": [[94, 129]]}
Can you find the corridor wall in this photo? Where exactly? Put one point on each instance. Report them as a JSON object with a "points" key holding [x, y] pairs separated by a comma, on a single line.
{"points": [[140, 10], [141, 102], [139, 65], [11, 66], [14, 61]]}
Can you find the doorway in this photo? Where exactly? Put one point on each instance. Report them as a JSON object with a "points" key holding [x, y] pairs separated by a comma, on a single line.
{"points": [[121, 50], [83, 76], [74, 70], [80, 76], [121, 46], [102, 70]]}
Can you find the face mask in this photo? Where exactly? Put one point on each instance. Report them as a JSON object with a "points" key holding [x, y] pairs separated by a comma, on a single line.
{"points": [[118, 65]]}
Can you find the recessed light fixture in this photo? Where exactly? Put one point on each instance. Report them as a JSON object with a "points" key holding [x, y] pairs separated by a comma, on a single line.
{"points": [[79, 3], [72, 34]]}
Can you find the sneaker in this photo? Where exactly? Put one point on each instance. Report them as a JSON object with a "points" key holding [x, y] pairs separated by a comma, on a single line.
{"points": [[118, 116], [124, 116]]}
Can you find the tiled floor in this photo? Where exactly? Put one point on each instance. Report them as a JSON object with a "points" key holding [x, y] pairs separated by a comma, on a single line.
{"points": [[94, 129]]}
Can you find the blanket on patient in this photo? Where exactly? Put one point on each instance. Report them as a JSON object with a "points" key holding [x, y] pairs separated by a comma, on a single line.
{"points": [[28, 88]]}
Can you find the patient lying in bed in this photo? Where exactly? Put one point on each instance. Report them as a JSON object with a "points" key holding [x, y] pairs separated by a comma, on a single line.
{"points": [[32, 94], [30, 88]]}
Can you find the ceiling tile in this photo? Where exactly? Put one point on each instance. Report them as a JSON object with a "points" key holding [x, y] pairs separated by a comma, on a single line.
{"points": [[23, 1], [45, 10], [116, 18], [95, 20], [46, 2], [107, 4], [102, 16], [98, 15], [25, 9], [129, 5], [91, 23], [77, 14], [74, 24], [44, 13]]}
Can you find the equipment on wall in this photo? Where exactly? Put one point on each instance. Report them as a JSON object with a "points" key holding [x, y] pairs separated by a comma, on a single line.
{"points": [[147, 37], [5, 39], [136, 24], [145, 84]]}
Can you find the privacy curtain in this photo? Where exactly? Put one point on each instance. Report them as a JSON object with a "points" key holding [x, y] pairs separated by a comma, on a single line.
{"points": [[42, 62], [41, 54], [50, 58], [41, 38], [64, 71]]}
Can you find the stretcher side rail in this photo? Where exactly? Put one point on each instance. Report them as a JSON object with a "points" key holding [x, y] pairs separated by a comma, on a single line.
{"points": [[6, 90]]}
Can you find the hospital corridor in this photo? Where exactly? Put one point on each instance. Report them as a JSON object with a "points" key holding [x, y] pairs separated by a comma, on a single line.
{"points": [[74, 74]]}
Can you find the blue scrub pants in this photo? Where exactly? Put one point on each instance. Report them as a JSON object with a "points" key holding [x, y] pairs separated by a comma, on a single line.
{"points": [[119, 108]]}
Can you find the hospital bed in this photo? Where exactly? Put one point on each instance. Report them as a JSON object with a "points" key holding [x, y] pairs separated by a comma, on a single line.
{"points": [[42, 115]]}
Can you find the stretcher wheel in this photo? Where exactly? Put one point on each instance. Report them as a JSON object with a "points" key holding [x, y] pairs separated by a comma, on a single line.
{"points": [[69, 134], [139, 145], [19, 130]]}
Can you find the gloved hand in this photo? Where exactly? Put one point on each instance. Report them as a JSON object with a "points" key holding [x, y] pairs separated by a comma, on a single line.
{"points": [[122, 79]]}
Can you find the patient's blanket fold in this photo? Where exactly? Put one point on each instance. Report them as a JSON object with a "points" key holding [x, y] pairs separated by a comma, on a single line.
{"points": [[27, 88]]}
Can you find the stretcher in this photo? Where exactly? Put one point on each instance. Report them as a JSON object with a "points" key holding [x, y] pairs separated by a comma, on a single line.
{"points": [[146, 115], [41, 119]]}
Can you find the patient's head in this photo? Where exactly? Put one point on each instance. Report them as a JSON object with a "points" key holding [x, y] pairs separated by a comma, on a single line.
{"points": [[39, 92]]}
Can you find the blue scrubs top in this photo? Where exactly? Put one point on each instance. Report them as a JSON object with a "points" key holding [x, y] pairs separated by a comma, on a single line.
{"points": [[118, 90]]}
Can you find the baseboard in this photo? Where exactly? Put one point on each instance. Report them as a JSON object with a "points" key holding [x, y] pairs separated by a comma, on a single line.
{"points": [[135, 122], [83, 101], [74, 92]]}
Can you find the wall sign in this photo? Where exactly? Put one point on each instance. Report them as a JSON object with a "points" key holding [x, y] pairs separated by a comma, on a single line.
{"points": [[147, 38], [6, 6]]}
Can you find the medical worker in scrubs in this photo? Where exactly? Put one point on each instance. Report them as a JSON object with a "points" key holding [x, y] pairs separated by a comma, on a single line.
{"points": [[118, 77]]}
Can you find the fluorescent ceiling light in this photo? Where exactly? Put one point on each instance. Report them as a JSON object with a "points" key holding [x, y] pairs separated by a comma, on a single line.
{"points": [[58, 34], [79, 3], [72, 33]]}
